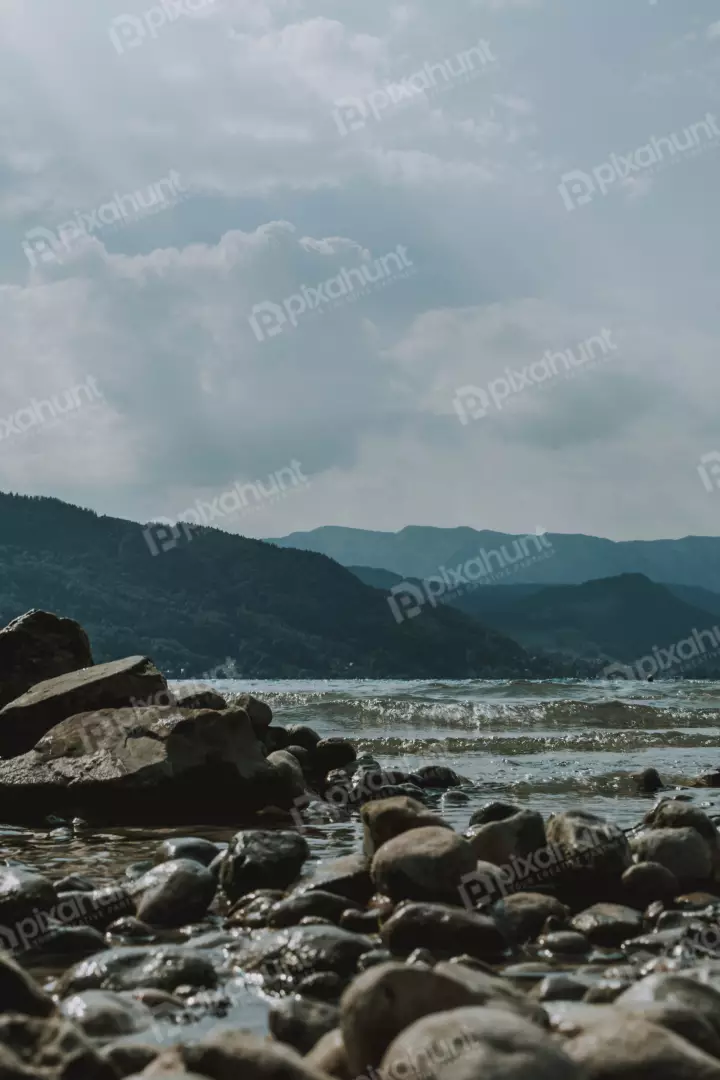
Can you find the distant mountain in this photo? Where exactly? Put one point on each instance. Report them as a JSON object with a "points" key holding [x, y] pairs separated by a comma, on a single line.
{"points": [[622, 618], [214, 597], [421, 551]]}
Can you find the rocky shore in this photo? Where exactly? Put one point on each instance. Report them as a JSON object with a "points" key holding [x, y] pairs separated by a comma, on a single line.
{"points": [[520, 948]]}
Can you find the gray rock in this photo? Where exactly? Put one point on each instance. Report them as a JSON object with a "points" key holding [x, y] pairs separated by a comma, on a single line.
{"points": [[254, 909], [523, 915], [437, 776], [590, 844], [305, 950], [151, 765], [200, 697], [68, 943], [494, 811], [104, 1015], [259, 712], [46, 1049], [301, 735], [682, 851], [188, 847], [608, 925], [674, 989], [19, 993], [564, 943], [26, 900], [289, 768], [128, 1059], [174, 893], [333, 753], [117, 685], [500, 841], [381, 1002], [384, 819], [163, 968], [617, 1050], [329, 1056], [299, 905], [74, 883], [491, 990], [469, 1043], [38, 646], [673, 814], [348, 876], [646, 882], [426, 863], [301, 1023], [446, 931], [230, 1054], [262, 859], [560, 987]]}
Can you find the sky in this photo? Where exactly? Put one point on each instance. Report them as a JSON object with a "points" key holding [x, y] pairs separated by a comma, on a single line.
{"points": [[278, 264]]}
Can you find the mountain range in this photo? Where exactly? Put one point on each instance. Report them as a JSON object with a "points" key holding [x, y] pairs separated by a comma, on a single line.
{"points": [[420, 551], [206, 602]]}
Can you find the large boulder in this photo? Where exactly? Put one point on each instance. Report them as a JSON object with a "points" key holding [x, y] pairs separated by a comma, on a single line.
{"points": [[117, 685], [153, 765], [474, 1042], [39, 646]]}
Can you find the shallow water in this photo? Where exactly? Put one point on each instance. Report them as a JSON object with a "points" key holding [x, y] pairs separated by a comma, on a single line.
{"points": [[549, 745]]}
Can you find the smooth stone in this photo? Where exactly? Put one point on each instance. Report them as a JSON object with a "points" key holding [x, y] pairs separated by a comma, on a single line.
{"points": [[675, 989], [19, 992], [188, 847], [302, 735], [128, 1059], [32, 1048], [228, 1054], [174, 893], [608, 925], [262, 859], [305, 950], [325, 986], [589, 844], [437, 776], [444, 930], [329, 1056], [200, 697], [103, 1014], [301, 1022], [623, 1049], [682, 851], [360, 922], [470, 1043], [646, 882], [499, 842], [130, 927], [491, 990], [560, 987], [298, 905], [289, 768], [254, 909], [522, 915], [162, 968], [68, 942], [493, 811], [259, 712], [381, 1002], [384, 819], [672, 814], [22, 894], [427, 863], [373, 958], [565, 943], [333, 753]]}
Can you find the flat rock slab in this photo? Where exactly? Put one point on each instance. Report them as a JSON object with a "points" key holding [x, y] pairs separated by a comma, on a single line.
{"points": [[117, 685], [156, 765]]}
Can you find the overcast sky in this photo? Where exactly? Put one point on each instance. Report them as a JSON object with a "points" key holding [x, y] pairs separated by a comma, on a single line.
{"points": [[297, 141]]}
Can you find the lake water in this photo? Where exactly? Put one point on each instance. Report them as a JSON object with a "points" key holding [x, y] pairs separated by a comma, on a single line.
{"points": [[546, 745]]}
